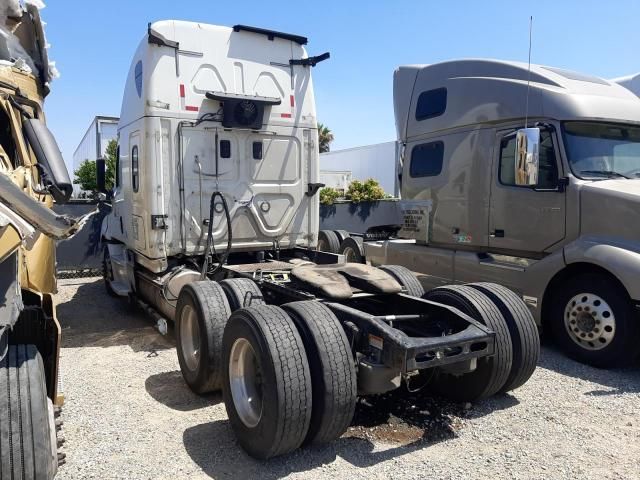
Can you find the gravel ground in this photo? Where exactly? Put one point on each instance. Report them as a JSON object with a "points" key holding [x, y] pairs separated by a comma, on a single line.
{"points": [[129, 415]]}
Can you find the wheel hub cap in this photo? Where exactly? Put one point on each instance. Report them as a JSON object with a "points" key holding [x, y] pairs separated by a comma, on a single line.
{"points": [[190, 337], [245, 379], [590, 321]]}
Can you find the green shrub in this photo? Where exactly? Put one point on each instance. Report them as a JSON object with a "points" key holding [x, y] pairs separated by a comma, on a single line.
{"points": [[328, 195], [368, 190]]}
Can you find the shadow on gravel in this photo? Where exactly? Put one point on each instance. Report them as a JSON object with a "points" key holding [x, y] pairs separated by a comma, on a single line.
{"points": [[614, 381], [92, 318], [410, 421], [228, 461], [170, 389]]}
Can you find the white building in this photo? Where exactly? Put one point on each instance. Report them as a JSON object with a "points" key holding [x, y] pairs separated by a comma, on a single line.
{"points": [[376, 161], [94, 143]]}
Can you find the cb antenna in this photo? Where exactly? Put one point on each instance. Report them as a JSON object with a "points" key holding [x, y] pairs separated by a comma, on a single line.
{"points": [[526, 108]]}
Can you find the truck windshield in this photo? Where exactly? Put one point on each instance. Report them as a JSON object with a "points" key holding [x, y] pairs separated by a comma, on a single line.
{"points": [[602, 150]]}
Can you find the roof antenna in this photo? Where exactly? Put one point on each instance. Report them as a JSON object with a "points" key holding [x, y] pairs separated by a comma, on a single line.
{"points": [[526, 108]]}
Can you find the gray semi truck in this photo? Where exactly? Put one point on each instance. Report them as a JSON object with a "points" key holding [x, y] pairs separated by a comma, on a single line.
{"points": [[551, 211]]}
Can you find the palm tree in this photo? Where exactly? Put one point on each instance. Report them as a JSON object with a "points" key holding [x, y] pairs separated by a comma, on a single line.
{"points": [[325, 137]]}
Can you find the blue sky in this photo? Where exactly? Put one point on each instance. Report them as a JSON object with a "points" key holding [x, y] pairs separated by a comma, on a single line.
{"points": [[93, 41]]}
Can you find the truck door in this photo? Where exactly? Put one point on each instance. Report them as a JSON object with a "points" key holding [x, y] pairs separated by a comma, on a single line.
{"points": [[526, 221], [137, 209]]}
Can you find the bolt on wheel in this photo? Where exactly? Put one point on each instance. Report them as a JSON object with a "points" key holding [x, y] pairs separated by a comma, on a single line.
{"points": [[590, 321]]}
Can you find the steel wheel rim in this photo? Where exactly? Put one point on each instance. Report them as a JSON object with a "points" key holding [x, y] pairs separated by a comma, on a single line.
{"points": [[190, 337], [590, 321], [245, 379], [350, 255]]}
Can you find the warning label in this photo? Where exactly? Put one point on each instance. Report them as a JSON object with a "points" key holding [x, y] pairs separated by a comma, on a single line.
{"points": [[415, 220]]}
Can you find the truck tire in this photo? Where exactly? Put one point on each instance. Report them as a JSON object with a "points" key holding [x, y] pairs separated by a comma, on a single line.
{"points": [[242, 292], [341, 234], [491, 372], [28, 449], [328, 241], [201, 315], [406, 278], [333, 374], [107, 273], [593, 321], [353, 250], [267, 384], [523, 331]]}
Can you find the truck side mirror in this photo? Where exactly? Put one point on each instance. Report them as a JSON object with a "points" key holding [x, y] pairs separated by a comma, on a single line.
{"points": [[527, 157], [101, 175], [55, 176]]}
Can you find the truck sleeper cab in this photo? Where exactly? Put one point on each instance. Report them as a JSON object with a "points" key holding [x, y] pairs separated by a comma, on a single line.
{"points": [[215, 226], [566, 242]]}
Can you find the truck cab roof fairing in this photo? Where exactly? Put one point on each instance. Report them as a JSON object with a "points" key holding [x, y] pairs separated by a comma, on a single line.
{"points": [[180, 65], [474, 87]]}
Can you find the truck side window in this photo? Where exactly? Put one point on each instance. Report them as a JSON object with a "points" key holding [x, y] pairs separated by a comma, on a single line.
{"points": [[426, 160], [135, 173], [225, 149], [431, 103], [548, 177]]}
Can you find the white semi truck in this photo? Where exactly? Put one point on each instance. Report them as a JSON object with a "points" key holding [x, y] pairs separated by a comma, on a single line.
{"points": [[214, 227]]}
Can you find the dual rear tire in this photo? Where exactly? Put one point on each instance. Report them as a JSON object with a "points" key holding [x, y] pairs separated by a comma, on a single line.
{"points": [[517, 344], [287, 374], [290, 379], [202, 312], [340, 242]]}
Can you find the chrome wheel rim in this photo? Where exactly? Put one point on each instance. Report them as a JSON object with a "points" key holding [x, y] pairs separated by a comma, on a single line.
{"points": [[190, 337], [245, 378], [590, 321]]}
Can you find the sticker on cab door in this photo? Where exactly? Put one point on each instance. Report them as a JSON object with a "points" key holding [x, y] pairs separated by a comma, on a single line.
{"points": [[462, 238]]}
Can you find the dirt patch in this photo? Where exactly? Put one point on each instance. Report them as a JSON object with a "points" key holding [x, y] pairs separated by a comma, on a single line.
{"points": [[402, 417]]}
